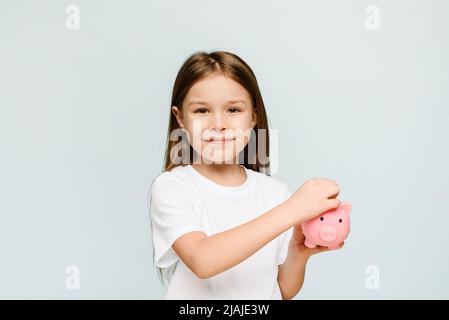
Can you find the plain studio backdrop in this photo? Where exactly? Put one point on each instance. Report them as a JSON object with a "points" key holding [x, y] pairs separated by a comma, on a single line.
{"points": [[358, 91]]}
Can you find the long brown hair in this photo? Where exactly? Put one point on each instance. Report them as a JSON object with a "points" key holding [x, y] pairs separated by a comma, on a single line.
{"points": [[200, 65]]}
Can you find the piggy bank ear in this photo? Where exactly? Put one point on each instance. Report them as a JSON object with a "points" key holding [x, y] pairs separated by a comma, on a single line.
{"points": [[346, 207]]}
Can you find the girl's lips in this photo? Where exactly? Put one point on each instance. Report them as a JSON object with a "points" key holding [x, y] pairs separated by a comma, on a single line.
{"points": [[220, 141]]}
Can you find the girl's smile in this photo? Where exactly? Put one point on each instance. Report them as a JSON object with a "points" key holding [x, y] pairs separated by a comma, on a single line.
{"points": [[220, 140]]}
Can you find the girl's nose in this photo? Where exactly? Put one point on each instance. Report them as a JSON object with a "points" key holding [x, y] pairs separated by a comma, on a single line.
{"points": [[218, 122]]}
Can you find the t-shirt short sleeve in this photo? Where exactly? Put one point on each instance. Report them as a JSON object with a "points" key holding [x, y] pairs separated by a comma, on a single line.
{"points": [[172, 214], [285, 237]]}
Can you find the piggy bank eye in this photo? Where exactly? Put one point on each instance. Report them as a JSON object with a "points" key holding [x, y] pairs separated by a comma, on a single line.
{"points": [[340, 220], [321, 218]]}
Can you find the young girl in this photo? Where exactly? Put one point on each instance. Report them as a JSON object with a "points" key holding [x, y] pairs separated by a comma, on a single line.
{"points": [[222, 227]]}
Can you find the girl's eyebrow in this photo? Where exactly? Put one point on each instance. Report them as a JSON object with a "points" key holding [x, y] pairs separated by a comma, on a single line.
{"points": [[205, 102]]}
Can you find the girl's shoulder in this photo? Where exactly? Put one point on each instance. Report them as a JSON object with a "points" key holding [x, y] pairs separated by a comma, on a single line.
{"points": [[174, 178]]}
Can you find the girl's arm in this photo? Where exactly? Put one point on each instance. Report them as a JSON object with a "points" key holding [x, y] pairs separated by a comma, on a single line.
{"points": [[209, 256], [291, 274]]}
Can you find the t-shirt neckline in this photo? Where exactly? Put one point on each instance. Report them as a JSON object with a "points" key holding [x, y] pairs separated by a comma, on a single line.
{"points": [[220, 189]]}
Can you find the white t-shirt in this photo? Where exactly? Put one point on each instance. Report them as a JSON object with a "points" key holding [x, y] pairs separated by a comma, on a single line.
{"points": [[183, 200]]}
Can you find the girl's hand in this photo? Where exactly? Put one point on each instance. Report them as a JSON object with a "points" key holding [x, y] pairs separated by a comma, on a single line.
{"points": [[298, 248], [314, 197]]}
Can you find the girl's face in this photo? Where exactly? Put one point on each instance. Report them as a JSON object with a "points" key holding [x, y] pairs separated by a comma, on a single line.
{"points": [[218, 116]]}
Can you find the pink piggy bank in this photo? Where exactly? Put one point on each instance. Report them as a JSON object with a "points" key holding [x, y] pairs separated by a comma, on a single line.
{"points": [[329, 229]]}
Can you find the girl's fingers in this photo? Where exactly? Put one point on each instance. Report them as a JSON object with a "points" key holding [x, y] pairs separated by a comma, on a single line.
{"points": [[333, 190], [332, 203], [323, 249]]}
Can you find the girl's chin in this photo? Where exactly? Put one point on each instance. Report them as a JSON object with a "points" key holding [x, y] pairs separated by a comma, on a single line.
{"points": [[219, 157], [219, 161], [212, 147]]}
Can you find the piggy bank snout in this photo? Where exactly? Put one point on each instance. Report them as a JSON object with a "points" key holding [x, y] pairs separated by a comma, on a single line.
{"points": [[328, 233]]}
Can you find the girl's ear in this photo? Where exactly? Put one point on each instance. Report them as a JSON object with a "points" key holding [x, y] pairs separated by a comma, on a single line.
{"points": [[178, 115], [254, 122]]}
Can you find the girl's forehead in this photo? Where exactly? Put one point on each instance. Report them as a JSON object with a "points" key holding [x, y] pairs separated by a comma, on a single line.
{"points": [[218, 89]]}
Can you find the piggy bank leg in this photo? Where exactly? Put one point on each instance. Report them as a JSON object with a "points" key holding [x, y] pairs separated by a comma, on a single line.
{"points": [[309, 244], [333, 247]]}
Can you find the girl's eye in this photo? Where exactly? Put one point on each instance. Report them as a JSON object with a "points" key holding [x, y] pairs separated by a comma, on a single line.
{"points": [[204, 110], [200, 110]]}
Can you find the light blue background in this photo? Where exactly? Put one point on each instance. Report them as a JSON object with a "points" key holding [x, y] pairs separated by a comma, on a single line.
{"points": [[84, 115]]}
